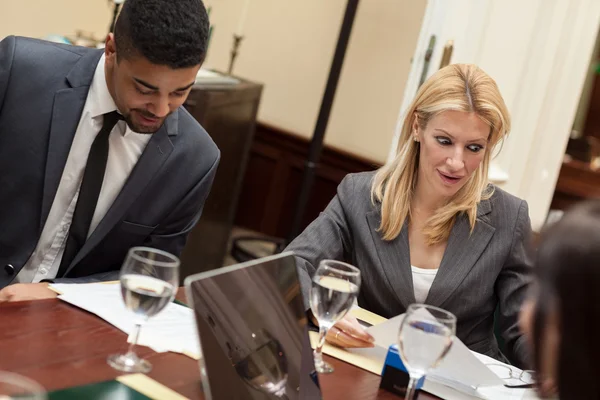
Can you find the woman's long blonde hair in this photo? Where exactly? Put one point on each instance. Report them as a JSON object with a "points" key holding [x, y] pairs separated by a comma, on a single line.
{"points": [[458, 87]]}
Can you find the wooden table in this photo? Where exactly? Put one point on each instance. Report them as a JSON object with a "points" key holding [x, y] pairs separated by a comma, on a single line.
{"points": [[60, 346]]}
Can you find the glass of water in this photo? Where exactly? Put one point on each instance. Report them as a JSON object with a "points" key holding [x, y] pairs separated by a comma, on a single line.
{"points": [[424, 339], [149, 281], [264, 368], [335, 286], [14, 386]]}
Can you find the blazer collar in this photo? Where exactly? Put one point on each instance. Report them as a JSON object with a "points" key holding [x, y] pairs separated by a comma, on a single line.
{"points": [[462, 252], [83, 71], [66, 112], [484, 208]]}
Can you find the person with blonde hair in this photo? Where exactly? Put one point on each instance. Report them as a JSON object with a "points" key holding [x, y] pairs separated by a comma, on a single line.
{"points": [[428, 227]]}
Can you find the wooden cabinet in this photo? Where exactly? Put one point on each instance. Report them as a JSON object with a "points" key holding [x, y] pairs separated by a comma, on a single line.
{"points": [[228, 113], [576, 182]]}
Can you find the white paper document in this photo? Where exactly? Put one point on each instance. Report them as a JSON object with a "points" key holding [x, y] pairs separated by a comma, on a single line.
{"points": [[208, 77], [462, 374], [173, 329]]}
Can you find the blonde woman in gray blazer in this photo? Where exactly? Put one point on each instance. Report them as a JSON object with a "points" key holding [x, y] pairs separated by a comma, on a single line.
{"points": [[428, 227]]}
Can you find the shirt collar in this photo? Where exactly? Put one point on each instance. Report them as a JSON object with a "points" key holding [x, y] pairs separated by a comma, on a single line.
{"points": [[101, 102], [99, 98]]}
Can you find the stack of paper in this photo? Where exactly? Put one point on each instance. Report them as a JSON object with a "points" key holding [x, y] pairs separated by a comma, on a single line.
{"points": [[208, 77], [173, 329], [463, 375]]}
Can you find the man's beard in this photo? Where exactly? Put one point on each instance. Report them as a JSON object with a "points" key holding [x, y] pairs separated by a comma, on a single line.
{"points": [[138, 128]]}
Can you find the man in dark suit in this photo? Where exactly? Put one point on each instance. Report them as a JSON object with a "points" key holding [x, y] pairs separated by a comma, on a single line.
{"points": [[97, 153]]}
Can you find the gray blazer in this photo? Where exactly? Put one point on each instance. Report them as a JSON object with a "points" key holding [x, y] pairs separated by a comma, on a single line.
{"points": [[479, 272], [43, 88]]}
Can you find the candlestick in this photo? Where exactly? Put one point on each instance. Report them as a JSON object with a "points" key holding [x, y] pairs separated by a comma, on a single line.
{"points": [[240, 29], [237, 40]]}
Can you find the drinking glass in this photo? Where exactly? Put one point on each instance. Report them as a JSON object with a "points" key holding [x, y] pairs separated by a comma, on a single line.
{"points": [[424, 339], [14, 386], [149, 281], [334, 288], [265, 367]]}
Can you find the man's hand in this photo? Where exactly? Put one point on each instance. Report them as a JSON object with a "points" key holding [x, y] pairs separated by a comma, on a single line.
{"points": [[26, 291]]}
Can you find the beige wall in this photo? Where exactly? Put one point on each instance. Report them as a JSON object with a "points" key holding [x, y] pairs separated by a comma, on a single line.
{"points": [[38, 18], [289, 47]]}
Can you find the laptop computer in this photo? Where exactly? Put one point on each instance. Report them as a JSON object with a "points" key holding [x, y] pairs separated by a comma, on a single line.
{"points": [[253, 331]]}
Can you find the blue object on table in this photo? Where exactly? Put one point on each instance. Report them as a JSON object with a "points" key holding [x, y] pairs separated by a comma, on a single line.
{"points": [[57, 39], [394, 377]]}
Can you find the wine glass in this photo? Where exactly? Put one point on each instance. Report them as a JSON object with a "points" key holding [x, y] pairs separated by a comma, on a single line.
{"points": [[424, 339], [265, 367], [14, 386], [149, 281], [334, 288]]}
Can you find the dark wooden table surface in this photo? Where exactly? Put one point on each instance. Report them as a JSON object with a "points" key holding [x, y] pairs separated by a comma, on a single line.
{"points": [[60, 346]]}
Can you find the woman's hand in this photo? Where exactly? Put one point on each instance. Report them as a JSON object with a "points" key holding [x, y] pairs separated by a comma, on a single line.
{"points": [[349, 333]]}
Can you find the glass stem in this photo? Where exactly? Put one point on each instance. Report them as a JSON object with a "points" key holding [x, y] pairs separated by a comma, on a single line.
{"points": [[282, 395], [318, 354], [136, 335], [411, 389]]}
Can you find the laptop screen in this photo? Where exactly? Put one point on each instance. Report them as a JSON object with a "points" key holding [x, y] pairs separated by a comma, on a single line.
{"points": [[253, 331]]}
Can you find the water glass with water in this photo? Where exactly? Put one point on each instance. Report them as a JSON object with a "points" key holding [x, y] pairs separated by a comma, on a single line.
{"points": [[424, 339], [15, 386], [265, 367], [149, 281], [335, 286]]}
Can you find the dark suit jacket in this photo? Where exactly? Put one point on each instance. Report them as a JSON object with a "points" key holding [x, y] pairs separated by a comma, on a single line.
{"points": [[479, 271], [43, 88]]}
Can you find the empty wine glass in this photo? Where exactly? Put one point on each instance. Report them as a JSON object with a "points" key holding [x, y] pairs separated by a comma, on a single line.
{"points": [[334, 288], [149, 281], [14, 386], [424, 339]]}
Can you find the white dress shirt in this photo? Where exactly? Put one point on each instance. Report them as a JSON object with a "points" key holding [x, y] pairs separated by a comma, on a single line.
{"points": [[422, 281], [125, 148]]}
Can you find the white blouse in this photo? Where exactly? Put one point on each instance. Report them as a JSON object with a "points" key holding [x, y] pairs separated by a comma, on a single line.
{"points": [[422, 280]]}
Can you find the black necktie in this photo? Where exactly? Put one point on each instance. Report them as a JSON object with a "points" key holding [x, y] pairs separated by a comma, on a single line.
{"points": [[88, 192]]}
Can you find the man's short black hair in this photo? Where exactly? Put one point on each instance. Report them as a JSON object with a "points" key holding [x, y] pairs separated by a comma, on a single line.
{"points": [[166, 32]]}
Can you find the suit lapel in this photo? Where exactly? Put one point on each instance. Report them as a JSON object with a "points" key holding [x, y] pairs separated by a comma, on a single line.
{"points": [[394, 260], [66, 113], [157, 151], [462, 252]]}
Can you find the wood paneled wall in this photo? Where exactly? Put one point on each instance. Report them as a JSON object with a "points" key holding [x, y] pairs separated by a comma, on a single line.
{"points": [[273, 177]]}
